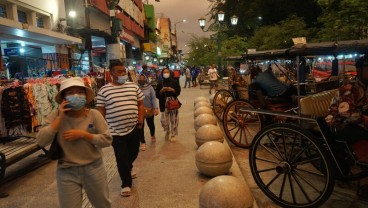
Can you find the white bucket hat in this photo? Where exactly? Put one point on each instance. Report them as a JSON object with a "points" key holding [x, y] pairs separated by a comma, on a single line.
{"points": [[73, 82]]}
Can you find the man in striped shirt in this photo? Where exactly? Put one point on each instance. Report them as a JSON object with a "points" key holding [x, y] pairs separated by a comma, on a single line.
{"points": [[121, 103]]}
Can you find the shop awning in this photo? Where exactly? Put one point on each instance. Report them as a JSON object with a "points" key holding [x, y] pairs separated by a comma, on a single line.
{"points": [[12, 30]]}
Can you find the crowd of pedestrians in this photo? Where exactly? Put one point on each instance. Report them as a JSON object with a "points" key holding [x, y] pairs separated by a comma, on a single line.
{"points": [[122, 108]]}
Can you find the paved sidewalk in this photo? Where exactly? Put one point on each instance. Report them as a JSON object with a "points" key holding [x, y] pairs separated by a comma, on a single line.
{"points": [[167, 174]]}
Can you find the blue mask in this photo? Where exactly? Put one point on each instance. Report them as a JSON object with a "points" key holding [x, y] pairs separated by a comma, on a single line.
{"points": [[122, 79], [76, 102]]}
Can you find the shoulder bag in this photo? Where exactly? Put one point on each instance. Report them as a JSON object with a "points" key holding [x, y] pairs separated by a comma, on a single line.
{"points": [[55, 152], [173, 104]]}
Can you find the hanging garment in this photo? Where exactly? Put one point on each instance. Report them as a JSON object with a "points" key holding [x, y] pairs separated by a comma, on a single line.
{"points": [[15, 108]]}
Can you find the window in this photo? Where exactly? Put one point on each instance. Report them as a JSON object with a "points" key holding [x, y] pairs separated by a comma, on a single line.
{"points": [[22, 17], [3, 11], [40, 22]]}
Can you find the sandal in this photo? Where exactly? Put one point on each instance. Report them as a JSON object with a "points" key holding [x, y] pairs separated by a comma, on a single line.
{"points": [[126, 191], [133, 174], [153, 139]]}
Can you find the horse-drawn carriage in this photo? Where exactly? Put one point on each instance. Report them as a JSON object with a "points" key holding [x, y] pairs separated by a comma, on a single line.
{"points": [[294, 156]]}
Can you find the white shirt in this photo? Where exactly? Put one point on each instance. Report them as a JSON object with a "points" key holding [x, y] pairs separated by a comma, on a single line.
{"points": [[212, 72]]}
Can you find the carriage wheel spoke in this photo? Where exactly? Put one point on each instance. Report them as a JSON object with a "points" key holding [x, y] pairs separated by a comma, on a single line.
{"points": [[277, 148], [267, 160], [301, 187]]}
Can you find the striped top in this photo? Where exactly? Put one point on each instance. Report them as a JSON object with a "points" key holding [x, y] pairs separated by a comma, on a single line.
{"points": [[121, 104]]}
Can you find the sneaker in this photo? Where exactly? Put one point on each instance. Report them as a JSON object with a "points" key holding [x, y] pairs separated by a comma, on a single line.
{"points": [[143, 147], [153, 139], [172, 139]]}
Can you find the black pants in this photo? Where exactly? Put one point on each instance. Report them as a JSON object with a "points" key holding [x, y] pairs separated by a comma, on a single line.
{"points": [[352, 133], [126, 150], [151, 125]]}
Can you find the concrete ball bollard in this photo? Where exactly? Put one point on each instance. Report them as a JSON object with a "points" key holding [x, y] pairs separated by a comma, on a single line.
{"points": [[208, 133], [202, 110], [204, 119], [225, 192], [213, 159], [200, 99], [201, 104]]}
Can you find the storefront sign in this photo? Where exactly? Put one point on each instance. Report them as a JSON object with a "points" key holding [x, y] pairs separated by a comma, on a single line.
{"points": [[11, 51], [149, 47]]}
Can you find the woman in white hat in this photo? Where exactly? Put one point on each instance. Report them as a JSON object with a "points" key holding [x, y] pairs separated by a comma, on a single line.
{"points": [[81, 133]]}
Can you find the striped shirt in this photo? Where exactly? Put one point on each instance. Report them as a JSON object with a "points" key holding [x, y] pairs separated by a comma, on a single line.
{"points": [[121, 104]]}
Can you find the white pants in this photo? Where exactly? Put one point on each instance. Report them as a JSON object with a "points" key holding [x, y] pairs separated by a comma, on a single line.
{"points": [[170, 121]]}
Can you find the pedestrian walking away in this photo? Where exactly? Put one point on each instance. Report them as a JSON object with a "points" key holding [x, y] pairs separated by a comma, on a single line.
{"points": [[168, 89], [121, 103], [150, 108], [187, 77], [81, 133], [212, 72]]}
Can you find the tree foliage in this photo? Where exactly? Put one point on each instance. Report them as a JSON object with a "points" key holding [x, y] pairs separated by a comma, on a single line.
{"points": [[203, 51], [343, 20], [271, 24], [279, 35]]}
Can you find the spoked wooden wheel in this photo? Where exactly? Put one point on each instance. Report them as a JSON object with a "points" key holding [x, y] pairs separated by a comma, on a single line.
{"points": [[239, 127], [283, 160], [220, 101]]}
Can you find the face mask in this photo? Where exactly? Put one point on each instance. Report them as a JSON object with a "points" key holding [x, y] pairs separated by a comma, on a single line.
{"points": [[76, 102], [122, 79], [142, 82], [166, 75]]}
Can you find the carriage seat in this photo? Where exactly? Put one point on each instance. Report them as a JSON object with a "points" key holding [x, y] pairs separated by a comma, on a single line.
{"points": [[317, 104]]}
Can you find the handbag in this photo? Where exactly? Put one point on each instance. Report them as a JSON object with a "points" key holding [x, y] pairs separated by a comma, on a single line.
{"points": [[173, 104], [148, 112], [55, 151]]}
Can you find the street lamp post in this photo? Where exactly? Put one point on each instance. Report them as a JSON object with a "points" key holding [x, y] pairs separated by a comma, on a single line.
{"points": [[220, 18], [176, 39]]}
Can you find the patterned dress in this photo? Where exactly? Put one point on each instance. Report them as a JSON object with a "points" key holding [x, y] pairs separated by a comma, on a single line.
{"points": [[349, 106]]}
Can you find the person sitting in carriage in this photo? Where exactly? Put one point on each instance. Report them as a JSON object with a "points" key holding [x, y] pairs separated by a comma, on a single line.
{"points": [[238, 82], [348, 112], [266, 83]]}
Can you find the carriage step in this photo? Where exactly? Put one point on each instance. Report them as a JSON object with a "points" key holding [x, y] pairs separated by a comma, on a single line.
{"points": [[360, 149]]}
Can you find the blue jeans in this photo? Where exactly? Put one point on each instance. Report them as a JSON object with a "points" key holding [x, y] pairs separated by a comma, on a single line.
{"points": [[92, 178]]}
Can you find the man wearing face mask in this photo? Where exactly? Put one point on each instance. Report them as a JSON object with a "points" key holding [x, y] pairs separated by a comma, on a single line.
{"points": [[121, 103]]}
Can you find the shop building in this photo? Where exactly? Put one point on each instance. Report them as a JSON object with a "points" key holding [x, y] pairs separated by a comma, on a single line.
{"points": [[32, 40]]}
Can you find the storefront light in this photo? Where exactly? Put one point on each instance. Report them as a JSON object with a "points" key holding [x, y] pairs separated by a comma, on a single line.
{"points": [[161, 60], [155, 59], [21, 50], [147, 58], [22, 44]]}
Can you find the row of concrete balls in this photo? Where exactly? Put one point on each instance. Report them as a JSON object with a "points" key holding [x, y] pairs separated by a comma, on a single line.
{"points": [[214, 159]]}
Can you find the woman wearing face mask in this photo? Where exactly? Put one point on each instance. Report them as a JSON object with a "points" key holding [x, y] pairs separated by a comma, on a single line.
{"points": [[168, 88], [81, 134], [150, 106]]}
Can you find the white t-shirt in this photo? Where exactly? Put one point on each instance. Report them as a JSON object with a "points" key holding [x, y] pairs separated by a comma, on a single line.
{"points": [[212, 72]]}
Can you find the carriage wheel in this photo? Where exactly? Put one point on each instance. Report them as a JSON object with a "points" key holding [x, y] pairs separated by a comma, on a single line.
{"points": [[239, 127], [220, 101], [283, 160]]}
